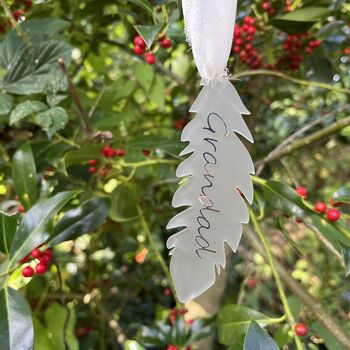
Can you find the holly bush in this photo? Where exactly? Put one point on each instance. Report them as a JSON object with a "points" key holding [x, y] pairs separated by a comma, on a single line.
{"points": [[93, 97]]}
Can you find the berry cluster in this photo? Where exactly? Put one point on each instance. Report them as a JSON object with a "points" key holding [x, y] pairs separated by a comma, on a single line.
{"points": [[321, 207], [242, 43], [174, 313], [108, 153], [140, 47], [295, 46], [42, 259]]}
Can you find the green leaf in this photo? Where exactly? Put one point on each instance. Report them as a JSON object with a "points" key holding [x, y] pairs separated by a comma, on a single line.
{"points": [[133, 345], [24, 175], [285, 198], [83, 219], [145, 4], [342, 195], [346, 256], [26, 109], [234, 321], [157, 93], [148, 33], [258, 339], [6, 102], [82, 155], [300, 20], [123, 204], [51, 336], [8, 226], [36, 225], [145, 75], [15, 321], [330, 232], [34, 73], [52, 120]]}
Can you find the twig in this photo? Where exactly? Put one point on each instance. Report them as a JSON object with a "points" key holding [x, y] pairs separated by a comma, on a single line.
{"points": [[20, 32], [308, 140], [291, 79], [85, 123], [159, 256], [326, 242], [294, 136], [319, 312], [278, 281], [64, 304]]}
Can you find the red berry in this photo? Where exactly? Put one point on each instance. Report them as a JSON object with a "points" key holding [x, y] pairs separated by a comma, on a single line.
{"points": [[347, 51], [120, 152], [112, 153], [41, 268], [146, 152], [180, 124], [165, 43], [249, 20], [25, 259], [28, 271], [239, 41], [320, 207], [167, 292], [249, 47], [138, 50], [172, 347], [308, 50], [28, 4], [92, 170], [36, 253], [333, 214], [17, 14], [105, 151], [103, 172], [92, 162], [150, 58], [251, 283], [138, 41], [236, 49], [251, 30], [300, 330], [21, 208], [266, 5], [302, 191]]}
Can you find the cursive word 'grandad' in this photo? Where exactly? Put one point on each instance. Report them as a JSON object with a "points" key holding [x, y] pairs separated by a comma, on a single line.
{"points": [[210, 161]]}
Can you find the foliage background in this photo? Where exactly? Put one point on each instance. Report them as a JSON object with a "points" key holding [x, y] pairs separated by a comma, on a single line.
{"points": [[71, 85]]}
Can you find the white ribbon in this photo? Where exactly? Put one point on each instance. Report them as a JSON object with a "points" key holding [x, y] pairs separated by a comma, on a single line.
{"points": [[209, 26]]}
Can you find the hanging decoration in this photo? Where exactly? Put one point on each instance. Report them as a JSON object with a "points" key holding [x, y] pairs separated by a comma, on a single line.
{"points": [[216, 175]]}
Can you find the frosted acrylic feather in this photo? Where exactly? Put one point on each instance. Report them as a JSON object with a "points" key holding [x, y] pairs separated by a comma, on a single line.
{"points": [[215, 176]]}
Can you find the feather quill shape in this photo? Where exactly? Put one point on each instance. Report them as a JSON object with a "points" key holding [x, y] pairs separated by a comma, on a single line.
{"points": [[215, 177]]}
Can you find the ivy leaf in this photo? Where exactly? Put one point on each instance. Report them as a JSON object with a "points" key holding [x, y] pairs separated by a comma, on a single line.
{"points": [[32, 73], [258, 339], [148, 33], [8, 226], [36, 225], [26, 109], [15, 321], [24, 175], [83, 219], [6, 102]]}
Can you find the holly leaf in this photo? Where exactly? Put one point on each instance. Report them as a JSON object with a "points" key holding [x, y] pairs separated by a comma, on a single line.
{"points": [[8, 226], [36, 225], [342, 195], [123, 207], [25, 176], [148, 33], [15, 321], [258, 339], [83, 219]]}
